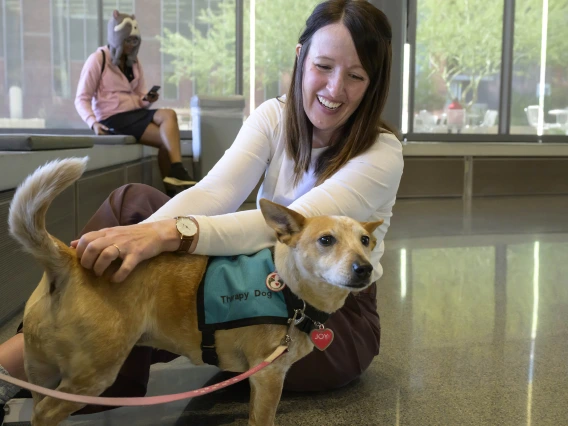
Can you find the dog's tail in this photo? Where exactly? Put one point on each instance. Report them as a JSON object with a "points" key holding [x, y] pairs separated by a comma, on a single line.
{"points": [[30, 203]]}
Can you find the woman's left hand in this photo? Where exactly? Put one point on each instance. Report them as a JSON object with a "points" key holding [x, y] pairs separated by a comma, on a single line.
{"points": [[133, 244]]}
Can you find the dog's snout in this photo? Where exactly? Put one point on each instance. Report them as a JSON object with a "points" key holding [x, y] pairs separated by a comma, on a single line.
{"points": [[362, 270]]}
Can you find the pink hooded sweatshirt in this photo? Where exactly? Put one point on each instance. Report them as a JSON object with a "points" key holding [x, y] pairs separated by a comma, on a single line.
{"points": [[98, 97]]}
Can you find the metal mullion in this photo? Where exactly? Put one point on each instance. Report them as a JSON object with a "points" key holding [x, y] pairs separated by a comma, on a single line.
{"points": [[100, 22], [412, 13], [178, 19], [239, 25], [5, 43], [162, 63], [68, 43], [84, 29], [508, 38], [22, 56], [52, 42]]}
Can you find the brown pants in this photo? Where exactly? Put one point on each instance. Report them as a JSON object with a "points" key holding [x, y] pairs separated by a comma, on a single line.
{"points": [[356, 324]]}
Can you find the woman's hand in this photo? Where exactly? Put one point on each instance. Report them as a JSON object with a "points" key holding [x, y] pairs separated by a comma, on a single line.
{"points": [[100, 129], [152, 97], [133, 244]]}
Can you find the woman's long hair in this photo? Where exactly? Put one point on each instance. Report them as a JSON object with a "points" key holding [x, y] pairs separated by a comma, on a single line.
{"points": [[371, 33]]}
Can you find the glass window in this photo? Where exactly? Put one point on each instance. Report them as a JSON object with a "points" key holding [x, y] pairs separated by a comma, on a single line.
{"points": [[57, 48], [12, 84], [197, 47], [540, 80], [205, 55], [60, 48], [74, 36], [14, 47], [83, 27], [123, 6], [177, 18], [457, 66], [277, 27]]}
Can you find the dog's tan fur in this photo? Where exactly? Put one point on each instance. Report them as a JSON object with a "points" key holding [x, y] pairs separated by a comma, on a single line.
{"points": [[79, 328]]}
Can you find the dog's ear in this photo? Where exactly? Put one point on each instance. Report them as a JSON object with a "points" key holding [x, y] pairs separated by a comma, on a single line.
{"points": [[370, 228], [284, 221]]}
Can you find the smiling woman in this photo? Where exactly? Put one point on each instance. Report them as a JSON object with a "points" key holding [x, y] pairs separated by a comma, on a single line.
{"points": [[334, 81]]}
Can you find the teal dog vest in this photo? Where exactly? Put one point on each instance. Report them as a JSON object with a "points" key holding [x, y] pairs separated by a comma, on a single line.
{"points": [[234, 293]]}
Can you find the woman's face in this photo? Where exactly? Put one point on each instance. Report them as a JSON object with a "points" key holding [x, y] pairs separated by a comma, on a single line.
{"points": [[334, 81], [129, 44]]}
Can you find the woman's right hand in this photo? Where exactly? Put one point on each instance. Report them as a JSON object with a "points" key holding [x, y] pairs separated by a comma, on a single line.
{"points": [[100, 129], [133, 244]]}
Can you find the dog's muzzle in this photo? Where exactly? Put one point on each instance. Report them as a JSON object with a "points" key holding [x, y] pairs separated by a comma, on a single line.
{"points": [[361, 275]]}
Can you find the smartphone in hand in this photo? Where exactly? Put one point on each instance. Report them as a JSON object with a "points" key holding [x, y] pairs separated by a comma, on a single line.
{"points": [[153, 90]]}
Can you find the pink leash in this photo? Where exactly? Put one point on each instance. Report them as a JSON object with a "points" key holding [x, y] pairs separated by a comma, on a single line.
{"points": [[150, 400]]}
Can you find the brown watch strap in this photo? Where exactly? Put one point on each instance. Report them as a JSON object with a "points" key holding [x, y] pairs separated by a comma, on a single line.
{"points": [[185, 244]]}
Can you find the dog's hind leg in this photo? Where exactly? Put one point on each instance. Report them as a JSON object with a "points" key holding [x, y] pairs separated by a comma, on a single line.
{"points": [[266, 390], [40, 373], [83, 372], [92, 382]]}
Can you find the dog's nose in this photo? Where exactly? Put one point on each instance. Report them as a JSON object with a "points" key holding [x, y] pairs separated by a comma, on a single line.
{"points": [[362, 270]]}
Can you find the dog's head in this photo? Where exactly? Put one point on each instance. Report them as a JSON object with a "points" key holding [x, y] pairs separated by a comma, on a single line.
{"points": [[331, 249]]}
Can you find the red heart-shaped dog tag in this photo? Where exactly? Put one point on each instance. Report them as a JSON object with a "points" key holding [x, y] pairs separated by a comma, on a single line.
{"points": [[321, 338]]}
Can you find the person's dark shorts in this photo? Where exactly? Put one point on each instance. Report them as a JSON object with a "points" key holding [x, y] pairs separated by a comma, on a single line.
{"points": [[132, 123]]}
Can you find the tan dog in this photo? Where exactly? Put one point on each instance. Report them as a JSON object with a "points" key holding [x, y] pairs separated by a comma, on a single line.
{"points": [[79, 328]]}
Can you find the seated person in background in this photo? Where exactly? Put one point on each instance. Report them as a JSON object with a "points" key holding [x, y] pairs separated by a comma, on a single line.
{"points": [[112, 98]]}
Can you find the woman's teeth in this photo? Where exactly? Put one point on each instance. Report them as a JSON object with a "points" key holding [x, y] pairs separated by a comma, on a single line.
{"points": [[328, 104]]}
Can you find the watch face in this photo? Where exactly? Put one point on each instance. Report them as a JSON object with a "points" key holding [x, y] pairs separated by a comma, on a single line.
{"points": [[186, 226]]}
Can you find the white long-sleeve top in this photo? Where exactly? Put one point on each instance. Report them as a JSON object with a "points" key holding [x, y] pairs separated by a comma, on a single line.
{"points": [[365, 188]]}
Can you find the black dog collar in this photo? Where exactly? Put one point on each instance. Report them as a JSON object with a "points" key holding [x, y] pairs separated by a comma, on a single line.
{"points": [[310, 317]]}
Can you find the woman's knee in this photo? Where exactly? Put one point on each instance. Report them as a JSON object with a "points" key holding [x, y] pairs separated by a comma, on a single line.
{"points": [[166, 115], [135, 202], [135, 193], [131, 192]]}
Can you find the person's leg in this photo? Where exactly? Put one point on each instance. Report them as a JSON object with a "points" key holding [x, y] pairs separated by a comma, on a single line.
{"points": [[166, 120], [12, 356], [12, 364], [163, 133], [357, 339], [152, 137]]}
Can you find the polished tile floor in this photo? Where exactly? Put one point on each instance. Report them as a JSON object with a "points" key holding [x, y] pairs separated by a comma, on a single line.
{"points": [[474, 312]]}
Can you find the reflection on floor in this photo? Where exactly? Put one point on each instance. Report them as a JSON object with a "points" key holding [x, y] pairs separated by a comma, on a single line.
{"points": [[474, 311]]}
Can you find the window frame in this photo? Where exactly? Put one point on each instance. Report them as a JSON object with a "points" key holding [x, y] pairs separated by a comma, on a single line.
{"points": [[402, 15], [505, 90]]}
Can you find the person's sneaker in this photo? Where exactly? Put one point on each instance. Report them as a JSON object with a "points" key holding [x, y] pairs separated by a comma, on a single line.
{"points": [[178, 176], [173, 190], [170, 180]]}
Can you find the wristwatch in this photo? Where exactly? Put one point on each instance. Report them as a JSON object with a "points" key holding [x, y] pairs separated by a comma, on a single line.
{"points": [[187, 229]]}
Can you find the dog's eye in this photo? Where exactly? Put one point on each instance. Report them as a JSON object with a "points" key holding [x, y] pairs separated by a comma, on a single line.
{"points": [[327, 240], [365, 240]]}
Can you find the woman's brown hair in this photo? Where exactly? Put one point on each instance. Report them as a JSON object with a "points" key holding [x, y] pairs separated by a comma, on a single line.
{"points": [[371, 33]]}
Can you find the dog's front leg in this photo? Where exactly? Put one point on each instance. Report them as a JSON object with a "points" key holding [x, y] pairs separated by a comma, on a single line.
{"points": [[266, 389]]}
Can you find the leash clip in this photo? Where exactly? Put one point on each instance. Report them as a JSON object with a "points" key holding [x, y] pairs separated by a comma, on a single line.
{"points": [[286, 340], [295, 321]]}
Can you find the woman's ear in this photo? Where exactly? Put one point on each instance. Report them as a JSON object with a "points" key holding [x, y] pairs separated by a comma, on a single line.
{"points": [[298, 50]]}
